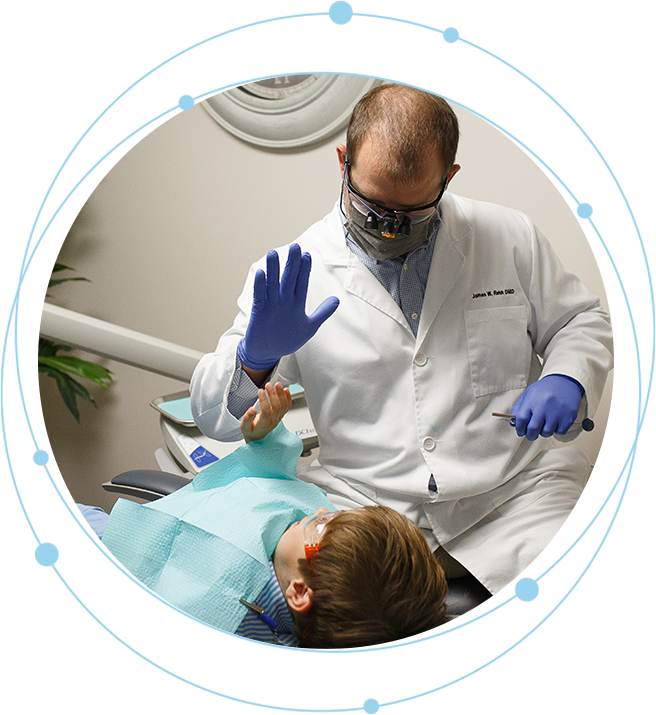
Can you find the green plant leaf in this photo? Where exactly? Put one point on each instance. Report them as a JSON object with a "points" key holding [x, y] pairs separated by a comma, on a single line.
{"points": [[61, 267], [80, 390], [47, 347], [69, 389], [68, 382], [61, 367], [79, 367], [58, 281]]}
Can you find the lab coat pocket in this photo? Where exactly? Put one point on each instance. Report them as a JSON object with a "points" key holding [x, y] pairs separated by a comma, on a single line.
{"points": [[499, 348]]}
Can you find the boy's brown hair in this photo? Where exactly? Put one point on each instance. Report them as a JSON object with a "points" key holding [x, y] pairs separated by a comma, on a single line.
{"points": [[374, 580]]}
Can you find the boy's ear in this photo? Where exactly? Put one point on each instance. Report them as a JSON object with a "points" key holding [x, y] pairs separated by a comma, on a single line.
{"points": [[299, 596]]}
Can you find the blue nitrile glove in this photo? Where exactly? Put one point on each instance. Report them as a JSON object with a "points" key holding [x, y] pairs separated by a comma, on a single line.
{"points": [[278, 325], [547, 406]]}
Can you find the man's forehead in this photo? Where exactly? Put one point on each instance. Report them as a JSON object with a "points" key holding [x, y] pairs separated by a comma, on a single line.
{"points": [[371, 176], [377, 154]]}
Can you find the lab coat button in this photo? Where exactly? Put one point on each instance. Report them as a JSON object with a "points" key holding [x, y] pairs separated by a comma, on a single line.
{"points": [[420, 359], [429, 444]]}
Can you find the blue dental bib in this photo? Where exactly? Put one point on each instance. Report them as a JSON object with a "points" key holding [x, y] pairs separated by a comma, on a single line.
{"points": [[208, 544]]}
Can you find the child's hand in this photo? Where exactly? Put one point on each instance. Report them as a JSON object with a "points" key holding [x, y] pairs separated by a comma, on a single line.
{"points": [[274, 404]]}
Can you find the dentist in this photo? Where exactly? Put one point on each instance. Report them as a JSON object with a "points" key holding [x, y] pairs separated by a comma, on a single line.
{"points": [[424, 313]]}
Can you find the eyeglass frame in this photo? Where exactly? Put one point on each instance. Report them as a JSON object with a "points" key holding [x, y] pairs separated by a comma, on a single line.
{"points": [[312, 546], [375, 207]]}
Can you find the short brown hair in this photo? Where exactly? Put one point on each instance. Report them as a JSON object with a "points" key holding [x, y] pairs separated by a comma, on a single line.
{"points": [[406, 122], [374, 580]]}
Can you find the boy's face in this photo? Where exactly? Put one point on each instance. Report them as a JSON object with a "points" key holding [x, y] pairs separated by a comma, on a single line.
{"points": [[289, 550]]}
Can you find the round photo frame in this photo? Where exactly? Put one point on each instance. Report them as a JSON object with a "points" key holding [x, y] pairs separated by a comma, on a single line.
{"points": [[288, 112]]}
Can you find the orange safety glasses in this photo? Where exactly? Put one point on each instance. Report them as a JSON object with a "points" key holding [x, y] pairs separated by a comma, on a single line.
{"points": [[313, 531]]}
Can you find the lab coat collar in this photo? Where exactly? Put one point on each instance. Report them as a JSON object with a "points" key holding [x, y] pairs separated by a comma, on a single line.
{"points": [[334, 252], [448, 261], [361, 282], [358, 278], [447, 264]]}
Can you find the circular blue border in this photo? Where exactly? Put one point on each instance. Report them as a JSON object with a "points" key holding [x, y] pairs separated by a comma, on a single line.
{"points": [[568, 82]]}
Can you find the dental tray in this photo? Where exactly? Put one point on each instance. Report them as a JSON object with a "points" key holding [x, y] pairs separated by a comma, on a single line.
{"points": [[177, 406]]}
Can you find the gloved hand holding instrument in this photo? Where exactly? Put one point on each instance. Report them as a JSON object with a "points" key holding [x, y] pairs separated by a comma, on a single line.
{"points": [[546, 407], [278, 324]]}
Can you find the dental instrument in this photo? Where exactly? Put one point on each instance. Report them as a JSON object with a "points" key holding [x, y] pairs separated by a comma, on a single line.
{"points": [[587, 425], [262, 616]]}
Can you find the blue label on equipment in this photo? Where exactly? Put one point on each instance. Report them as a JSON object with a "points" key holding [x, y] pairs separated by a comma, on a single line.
{"points": [[202, 457]]}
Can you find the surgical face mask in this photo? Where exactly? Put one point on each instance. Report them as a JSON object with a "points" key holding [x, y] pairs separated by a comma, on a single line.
{"points": [[384, 233]]}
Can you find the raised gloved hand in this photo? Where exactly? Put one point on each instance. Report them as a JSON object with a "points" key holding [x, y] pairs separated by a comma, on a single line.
{"points": [[278, 324], [547, 406]]}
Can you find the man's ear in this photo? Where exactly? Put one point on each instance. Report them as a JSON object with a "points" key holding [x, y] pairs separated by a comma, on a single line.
{"points": [[341, 156], [452, 172], [299, 596]]}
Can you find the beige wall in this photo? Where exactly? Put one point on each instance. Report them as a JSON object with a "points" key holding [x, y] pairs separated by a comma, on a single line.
{"points": [[167, 238]]}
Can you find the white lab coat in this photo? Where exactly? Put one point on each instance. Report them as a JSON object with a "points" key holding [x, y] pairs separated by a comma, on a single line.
{"points": [[390, 410]]}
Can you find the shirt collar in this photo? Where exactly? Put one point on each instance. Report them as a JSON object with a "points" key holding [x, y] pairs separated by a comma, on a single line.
{"points": [[275, 605]]}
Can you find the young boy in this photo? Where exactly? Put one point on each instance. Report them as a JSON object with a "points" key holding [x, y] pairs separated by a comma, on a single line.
{"points": [[250, 549]]}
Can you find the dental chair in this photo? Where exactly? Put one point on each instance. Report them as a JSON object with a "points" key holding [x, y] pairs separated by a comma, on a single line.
{"points": [[465, 592], [467, 598]]}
